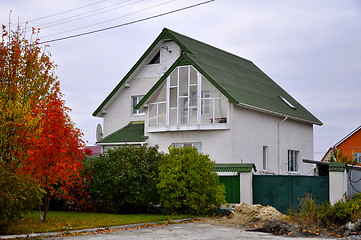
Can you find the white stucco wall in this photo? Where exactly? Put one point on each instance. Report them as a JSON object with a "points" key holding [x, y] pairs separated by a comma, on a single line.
{"points": [[252, 130], [119, 113], [243, 142]]}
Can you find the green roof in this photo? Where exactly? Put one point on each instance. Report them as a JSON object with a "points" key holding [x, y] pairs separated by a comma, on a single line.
{"points": [[133, 132], [337, 167], [239, 79], [234, 167]]}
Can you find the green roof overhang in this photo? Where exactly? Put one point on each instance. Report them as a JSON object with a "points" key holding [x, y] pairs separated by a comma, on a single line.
{"points": [[131, 133], [338, 167], [234, 167]]}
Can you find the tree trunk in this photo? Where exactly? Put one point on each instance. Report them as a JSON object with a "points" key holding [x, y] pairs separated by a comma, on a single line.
{"points": [[41, 215], [46, 206]]}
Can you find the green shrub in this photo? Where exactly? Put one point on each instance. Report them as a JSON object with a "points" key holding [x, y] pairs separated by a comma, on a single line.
{"points": [[341, 212], [326, 214], [311, 214], [124, 179], [188, 183], [307, 213], [17, 195], [347, 211]]}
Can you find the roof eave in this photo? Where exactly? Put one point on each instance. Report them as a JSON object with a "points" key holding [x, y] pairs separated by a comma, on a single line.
{"points": [[319, 123], [345, 138], [164, 33], [122, 143]]}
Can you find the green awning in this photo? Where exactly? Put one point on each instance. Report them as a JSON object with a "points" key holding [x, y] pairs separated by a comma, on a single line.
{"points": [[234, 167], [133, 132]]}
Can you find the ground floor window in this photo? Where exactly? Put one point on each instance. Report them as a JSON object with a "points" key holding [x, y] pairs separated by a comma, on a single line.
{"points": [[198, 145], [265, 157], [293, 160]]}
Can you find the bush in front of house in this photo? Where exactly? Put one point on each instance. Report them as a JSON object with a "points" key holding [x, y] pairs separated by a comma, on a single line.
{"points": [[188, 183], [123, 179]]}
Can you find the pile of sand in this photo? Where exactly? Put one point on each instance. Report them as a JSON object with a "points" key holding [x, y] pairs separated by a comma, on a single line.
{"points": [[251, 215]]}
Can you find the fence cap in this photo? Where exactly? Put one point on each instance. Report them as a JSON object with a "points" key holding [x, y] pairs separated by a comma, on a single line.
{"points": [[234, 167], [337, 166]]}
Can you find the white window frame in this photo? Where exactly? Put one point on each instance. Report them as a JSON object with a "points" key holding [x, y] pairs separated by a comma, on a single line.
{"points": [[293, 160], [154, 60], [197, 145], [184, 123], [265, 157], [357, 157], [137, 112]]}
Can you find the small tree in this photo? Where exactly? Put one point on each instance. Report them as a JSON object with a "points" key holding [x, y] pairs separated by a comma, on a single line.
{"points": [[55, 155], [37, 138], [188, 183], [337, 156], [124, 179]]}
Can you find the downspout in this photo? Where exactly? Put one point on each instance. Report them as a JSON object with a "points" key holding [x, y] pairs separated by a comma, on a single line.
{"points": [[279, 144]]}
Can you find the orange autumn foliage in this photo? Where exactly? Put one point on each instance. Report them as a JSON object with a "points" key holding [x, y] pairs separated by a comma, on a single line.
{"points": [[37, 137], [26, 76], [55, 154]]}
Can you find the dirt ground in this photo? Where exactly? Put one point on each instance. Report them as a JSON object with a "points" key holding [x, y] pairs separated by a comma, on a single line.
{"points": [[250, 216], [263, 219]]}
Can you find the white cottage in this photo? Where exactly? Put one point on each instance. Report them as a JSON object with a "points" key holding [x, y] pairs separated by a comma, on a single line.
{"points": [[184, 92]]}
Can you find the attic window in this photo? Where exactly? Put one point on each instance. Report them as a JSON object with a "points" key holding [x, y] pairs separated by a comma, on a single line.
{"points": [[156, 59], [287, 102]]}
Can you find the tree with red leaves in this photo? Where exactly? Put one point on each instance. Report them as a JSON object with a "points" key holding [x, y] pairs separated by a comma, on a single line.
{"points": [[55, 154], [37, 138], [27, 75]]}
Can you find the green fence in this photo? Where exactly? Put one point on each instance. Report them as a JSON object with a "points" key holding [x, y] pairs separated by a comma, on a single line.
{"points": [[284, 192], [232, 188]]}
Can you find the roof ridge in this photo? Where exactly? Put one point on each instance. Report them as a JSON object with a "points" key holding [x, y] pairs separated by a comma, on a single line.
{"points": [[193, 39]]}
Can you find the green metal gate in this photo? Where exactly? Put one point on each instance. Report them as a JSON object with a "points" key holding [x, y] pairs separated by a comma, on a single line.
{"points": [[284, 192], [232, 186]]}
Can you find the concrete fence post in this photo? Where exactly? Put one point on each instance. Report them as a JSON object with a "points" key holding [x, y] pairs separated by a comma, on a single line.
{"points": [[337, 181], [246, 186]]}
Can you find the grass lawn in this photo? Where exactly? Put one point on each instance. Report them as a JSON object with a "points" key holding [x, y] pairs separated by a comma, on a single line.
{"points": [[66, 221]]}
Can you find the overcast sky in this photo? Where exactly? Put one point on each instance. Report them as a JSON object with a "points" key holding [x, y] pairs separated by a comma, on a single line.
{"points": [[311, 48]]}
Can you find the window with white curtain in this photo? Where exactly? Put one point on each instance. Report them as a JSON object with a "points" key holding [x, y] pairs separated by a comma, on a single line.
{"points": [[293, 160]]}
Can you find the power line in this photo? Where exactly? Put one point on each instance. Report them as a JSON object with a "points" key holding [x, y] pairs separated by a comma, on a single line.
{"points": [[128, 23], [56, 14], [70, 19], [126, 15]]}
